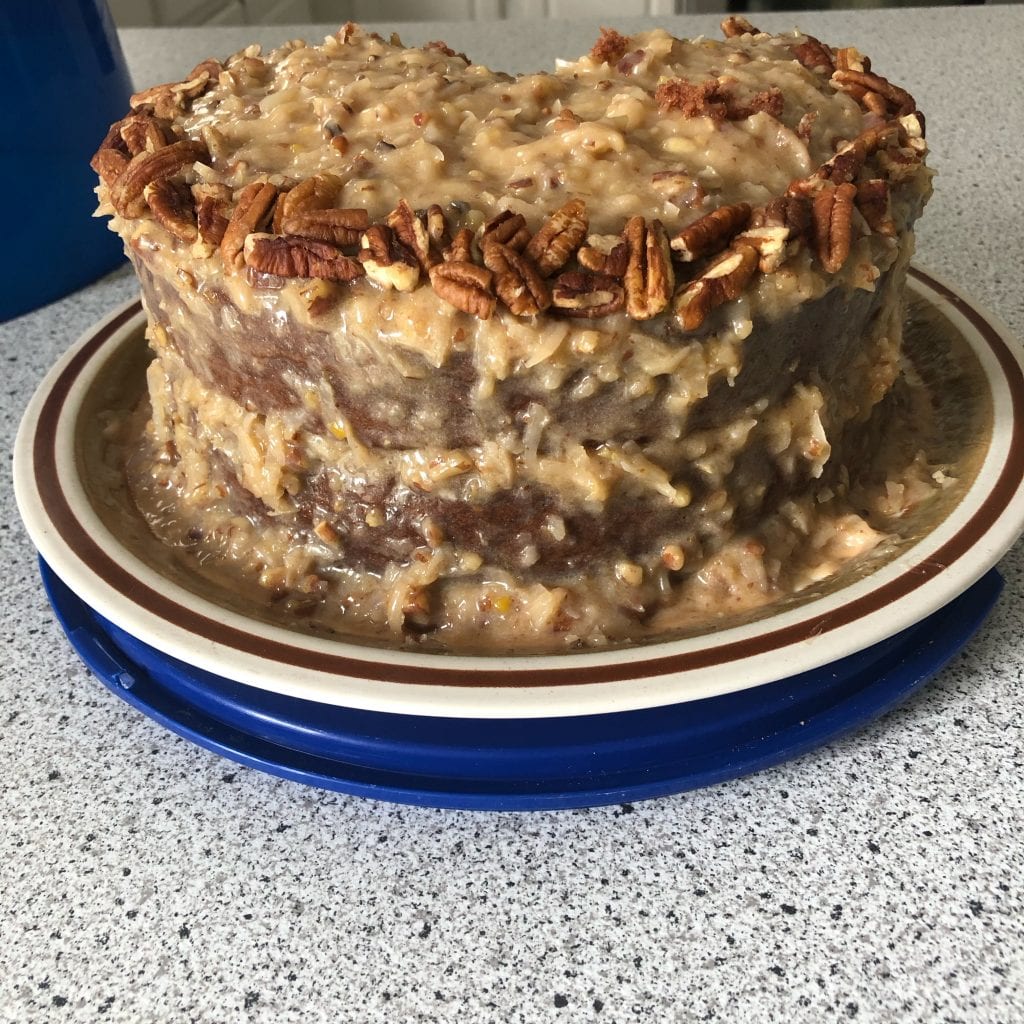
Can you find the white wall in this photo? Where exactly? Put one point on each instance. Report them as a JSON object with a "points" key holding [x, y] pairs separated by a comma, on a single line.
{"points": [[267, 12]]}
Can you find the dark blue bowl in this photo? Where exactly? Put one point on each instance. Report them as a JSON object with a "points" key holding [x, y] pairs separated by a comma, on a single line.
{"points": [[70, 85]]}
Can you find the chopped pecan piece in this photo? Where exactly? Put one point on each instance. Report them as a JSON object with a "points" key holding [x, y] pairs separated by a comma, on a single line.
{"points": [[913, 125], [833, 211], [387, 261], [900, 100], [873, 202], [508, 228], [461, 249], [566, 121], [711, 232], [127, 194], [846, 164], [517, 282], [849, 58], [613, 262], [212, 214], [252, 212], [171, 204], [806, 125], [736, 25], [649, 278], [290, 256], [168, 99], [899, 164], [724, 280], [412, 233], [875, 103], [815, 56], [442, 47], [628, 64], [211, 66], [464, 286], [559, 237], [792, 212], [590, 296], [610, 47], [679, 188], [437, 228], [143, 133], [771, 242]]}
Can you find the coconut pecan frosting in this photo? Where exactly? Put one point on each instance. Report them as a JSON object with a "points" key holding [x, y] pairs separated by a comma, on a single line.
{"points": [[654, 176]]}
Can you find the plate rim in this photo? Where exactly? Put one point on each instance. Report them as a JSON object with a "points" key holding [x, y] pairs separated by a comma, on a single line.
{"points": [[348, 674]]}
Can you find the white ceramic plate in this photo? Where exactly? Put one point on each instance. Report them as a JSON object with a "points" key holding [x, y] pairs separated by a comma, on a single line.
{"points": [[89, 557]]}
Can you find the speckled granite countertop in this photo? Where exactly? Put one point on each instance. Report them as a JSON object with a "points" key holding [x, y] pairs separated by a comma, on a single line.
{"points": [[879, 879]]}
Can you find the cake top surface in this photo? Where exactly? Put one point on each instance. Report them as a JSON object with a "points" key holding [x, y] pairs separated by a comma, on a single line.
{"points": [[649, 125]]}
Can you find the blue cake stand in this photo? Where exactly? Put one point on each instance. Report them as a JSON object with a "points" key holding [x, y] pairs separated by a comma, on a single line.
{"points": [[521, 764]]}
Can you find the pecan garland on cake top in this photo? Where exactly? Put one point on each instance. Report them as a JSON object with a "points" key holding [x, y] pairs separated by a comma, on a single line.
{"points": [[653, 176]]}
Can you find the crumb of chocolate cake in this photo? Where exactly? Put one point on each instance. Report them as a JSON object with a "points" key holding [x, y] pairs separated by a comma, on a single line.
{"points": [[610, 47]]}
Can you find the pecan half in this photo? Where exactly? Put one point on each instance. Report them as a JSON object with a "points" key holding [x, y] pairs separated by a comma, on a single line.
{"points": [[724, 280], [342, 227], [559, 237], [508, 228], [900, 100], [516, 280], [736, 25], [172, 205], [589, 296], [873, 202], [649, 278], [461, 249], [833, 212], [127, 196], [314, 193], [387, 261], [711, 232], [252, 211], [464, 286], [412, 233], [289, 256], [815, 56]]}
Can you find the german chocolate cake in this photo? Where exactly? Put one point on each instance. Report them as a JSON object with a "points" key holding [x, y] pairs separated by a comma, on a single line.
{"points": [[450, 357]]}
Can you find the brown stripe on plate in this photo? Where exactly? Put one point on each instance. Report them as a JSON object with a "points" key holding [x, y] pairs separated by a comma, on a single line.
{"points": [[433, 671]]}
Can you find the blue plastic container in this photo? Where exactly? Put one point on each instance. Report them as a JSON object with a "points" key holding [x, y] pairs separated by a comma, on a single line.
{"points": [[70, 85]]}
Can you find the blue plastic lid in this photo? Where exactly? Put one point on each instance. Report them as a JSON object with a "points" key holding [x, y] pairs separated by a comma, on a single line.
{"points": [[528, 764]]}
